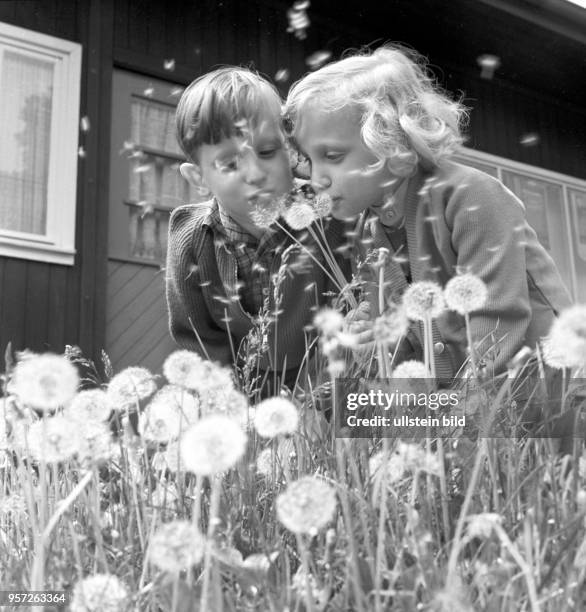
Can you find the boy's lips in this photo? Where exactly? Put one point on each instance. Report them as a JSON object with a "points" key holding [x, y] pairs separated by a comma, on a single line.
{"points": [[263, 194]]}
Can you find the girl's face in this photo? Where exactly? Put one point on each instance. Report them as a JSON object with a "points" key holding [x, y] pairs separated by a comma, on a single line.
{"points": [[239, 171], [341, 165]]}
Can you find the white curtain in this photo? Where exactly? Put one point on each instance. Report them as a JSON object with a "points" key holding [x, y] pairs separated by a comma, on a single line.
{"points": [[26, 90]]}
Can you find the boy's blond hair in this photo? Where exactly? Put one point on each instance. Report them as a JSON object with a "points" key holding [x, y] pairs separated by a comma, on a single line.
{"points": [[406, 118], [223, 103]]}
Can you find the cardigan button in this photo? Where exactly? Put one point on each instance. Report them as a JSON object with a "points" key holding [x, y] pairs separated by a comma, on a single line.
{"points": [[438, 348]]}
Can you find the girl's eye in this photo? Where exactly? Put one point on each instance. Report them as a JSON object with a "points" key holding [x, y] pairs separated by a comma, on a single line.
{"points": [[267, 153], [333, 156]]}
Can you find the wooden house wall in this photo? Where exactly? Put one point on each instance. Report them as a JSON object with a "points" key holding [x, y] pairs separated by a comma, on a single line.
{"points": [[46, 306]]}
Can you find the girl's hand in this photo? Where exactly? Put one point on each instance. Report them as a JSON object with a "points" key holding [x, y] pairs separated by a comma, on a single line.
{"points": [[359, 324]]}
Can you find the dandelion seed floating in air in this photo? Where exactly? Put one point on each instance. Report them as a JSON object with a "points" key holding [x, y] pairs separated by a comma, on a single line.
{"points": [[282, 75], [530, 139], [298, 19], [488, 64], [318, 59], [149, 91], [84, 124]]}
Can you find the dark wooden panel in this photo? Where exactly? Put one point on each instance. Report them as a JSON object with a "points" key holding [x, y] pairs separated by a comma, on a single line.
{"points": [[35, 306], [57, 324], [12, 324]]}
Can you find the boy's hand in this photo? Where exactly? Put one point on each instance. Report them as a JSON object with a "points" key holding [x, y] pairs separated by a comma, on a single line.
{"points": [[359, 324]]}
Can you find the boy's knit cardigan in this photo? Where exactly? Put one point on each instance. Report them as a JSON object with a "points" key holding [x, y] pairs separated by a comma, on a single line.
{"points": [[460, 219], [201, 288]]}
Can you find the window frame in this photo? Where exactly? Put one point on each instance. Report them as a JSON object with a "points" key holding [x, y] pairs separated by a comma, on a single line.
{"points": [[566, 182], [57, 245]]}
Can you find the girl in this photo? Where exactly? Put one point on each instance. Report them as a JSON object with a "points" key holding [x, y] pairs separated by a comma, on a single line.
{"points": [[378, 134]]}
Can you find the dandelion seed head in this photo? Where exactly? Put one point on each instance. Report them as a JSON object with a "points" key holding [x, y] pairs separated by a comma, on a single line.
{"points": [[130, 386], [228, 402], [413, 458], [45, 381], [411, 369], [265, 462], [390, 327], [422, 300], [565, 345], [89, 405], [13, 505], [96, 445], [266, 211], [171, 411], [184, 368], [276, 416], [53, 440], [465, 293], [100, 593], [322, 205], [482, 525], [214, 444], [328, 321], [300, 216], [176, 546], [307, 504]]}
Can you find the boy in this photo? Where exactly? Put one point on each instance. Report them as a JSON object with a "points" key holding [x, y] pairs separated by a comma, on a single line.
{"points": [[220, 264]]}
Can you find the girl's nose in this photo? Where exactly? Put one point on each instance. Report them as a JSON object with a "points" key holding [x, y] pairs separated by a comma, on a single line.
{"points": [[320, 183]]}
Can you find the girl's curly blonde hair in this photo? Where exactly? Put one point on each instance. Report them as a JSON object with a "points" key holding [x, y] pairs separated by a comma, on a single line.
{"points": [[406, 119]]}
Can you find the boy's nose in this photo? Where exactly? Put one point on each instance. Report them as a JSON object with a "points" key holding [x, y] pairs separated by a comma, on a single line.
{"points": [[253, 171]]}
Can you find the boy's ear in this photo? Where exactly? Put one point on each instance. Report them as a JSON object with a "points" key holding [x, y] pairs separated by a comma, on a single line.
{"points": [[192, 174]]}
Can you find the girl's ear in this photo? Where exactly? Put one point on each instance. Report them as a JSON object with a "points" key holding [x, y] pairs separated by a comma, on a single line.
{"points": [[192, 174]]}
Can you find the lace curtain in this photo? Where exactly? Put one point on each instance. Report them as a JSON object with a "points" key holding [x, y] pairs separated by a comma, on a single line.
{"points": [[26, 85]]}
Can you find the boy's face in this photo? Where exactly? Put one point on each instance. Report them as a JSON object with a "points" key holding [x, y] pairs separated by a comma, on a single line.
{"points": [[240, 170], [340, 161]]}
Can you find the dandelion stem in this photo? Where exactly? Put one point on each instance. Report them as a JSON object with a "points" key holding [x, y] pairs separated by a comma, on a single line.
{"points": [[213, 520]]}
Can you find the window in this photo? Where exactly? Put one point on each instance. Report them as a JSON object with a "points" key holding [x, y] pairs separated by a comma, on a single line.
{"points": [[39, 97], [145, 180], [556, 209]]}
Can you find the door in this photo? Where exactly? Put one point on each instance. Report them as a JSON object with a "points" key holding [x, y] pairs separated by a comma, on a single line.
{"points": [[145, 185]]}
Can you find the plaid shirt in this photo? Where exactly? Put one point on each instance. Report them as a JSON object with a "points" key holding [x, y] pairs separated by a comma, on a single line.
{"points": [[253, 257]]}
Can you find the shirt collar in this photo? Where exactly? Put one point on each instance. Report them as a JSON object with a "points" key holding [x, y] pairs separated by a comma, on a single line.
{"points": [[391, 212]]}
